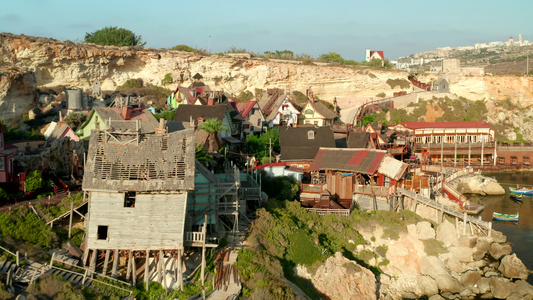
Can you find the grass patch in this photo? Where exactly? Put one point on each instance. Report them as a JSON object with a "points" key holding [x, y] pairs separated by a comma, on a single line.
{"points": [[433, 247]]}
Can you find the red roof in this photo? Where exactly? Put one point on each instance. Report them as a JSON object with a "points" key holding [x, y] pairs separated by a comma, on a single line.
{"points": [[244, 107], [379, 52], [453, 124], [364, 161], [269, 165]]}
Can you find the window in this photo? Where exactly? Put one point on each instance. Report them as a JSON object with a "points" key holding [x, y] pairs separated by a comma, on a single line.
{"points": [[2, 163], [129, 199], [102, 232], [259, 122], [1, 140], [315, 122], [309, 112], [310, 135]]}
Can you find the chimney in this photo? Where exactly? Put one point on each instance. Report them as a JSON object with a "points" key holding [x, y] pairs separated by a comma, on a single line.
{"points": [[210, 101], [61, 122], [161, 129], [126, 112]]}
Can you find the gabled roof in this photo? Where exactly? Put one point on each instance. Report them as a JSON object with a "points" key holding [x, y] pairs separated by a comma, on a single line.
{"points": [[358, 139], [185, 94], [244, 107], [380, 53], [452, 124], [364, 161], [233, 112], [323, 110], [185, 112], [157, 162], [270, 165], [295, 144], [392, 167], [148, 121]]}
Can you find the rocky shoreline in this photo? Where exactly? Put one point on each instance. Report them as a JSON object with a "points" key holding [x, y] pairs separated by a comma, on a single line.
{"points": [[428, 261]]}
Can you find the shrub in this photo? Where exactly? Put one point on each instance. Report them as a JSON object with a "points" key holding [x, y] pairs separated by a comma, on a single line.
{"points": [[184, 48], [382, 95], [114, 36], [74, 120], [244, 96], [168, 78], [34, 181], [402, 83]]}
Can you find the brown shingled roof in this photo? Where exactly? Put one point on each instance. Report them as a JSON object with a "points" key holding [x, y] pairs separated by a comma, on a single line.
{"points": [[323, 110], [295, 144]]}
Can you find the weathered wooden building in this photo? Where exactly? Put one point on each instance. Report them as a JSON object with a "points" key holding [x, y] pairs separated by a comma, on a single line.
{"points": [[137, 186]]}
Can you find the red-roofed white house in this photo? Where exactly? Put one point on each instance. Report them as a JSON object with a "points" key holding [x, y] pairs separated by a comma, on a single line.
{"points": [[287, 115], [369, 55], [467, 142], [253, 117]]}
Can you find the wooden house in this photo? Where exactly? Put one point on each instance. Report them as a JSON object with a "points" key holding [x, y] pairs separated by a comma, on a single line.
{"points": [[317, 114], [469, 142], [284, 114], [58, 130], [137, 187], [348, 171], [299, 145], [252, 115], [100, 117]]}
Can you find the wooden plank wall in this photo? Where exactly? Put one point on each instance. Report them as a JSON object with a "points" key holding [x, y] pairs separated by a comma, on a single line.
{"points": [[156, 222]]}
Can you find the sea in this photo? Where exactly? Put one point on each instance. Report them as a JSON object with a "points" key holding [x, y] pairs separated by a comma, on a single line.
{"points": [[519, 234]]}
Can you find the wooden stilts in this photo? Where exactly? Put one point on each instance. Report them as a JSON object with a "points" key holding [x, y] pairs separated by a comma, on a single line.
{"points": [[180, 269], [115, 264], [92, 267], [133, 269], [159, 266], [147, 269], [128, 268], [490, 229], [464, 224], [106, 262], [70, 221]]}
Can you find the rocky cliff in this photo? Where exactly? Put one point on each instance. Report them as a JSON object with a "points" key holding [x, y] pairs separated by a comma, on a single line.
{"points": [[26, 62]]}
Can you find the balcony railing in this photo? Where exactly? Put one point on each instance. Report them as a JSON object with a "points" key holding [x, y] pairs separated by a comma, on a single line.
{"points": [[382, 191]]}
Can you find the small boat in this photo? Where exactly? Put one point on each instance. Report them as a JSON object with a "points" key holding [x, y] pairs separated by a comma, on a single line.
{"points": [[522, 191], [505, 217], [517, 197]]}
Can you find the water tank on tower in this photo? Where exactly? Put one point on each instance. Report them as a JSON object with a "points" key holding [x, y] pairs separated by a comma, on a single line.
{"points": [[74, 98]]}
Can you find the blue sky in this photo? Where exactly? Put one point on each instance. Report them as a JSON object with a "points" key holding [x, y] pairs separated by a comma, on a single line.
{"points": [[399, 28]]}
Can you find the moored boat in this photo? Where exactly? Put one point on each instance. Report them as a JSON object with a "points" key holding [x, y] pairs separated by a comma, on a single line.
{"points": [[505, 217], [522, 191], [517, 197]]}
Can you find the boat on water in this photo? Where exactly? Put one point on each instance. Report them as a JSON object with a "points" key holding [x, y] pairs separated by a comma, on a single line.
{"points": [[505, 217], [522, 191], [516, 197]]}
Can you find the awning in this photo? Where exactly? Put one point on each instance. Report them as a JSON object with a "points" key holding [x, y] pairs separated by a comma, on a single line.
{"points": [[231, 140]]}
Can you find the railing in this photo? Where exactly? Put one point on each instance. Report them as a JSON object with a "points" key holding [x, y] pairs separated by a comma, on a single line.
{"points": [[327, 211], [382, 191], [312, 188], [194, 236], [451, 146], [249, 192], [342, 127]]}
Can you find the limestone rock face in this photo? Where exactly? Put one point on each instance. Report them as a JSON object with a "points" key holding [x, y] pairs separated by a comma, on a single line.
{"points": [[341, 278], [447, 233], [476, 184], [512, 267], [433, 267], [17, 93], [500, 287]]}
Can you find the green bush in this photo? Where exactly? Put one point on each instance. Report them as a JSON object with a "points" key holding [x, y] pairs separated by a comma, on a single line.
{"points": [[22, 224], [114, 36], [34, 181], [74, 120], [184, 48], [168, 78]]}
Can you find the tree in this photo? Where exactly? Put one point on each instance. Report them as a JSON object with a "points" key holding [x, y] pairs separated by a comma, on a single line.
{"points": [[74, 120], [259, 145], [212, 127], [114, 36]]}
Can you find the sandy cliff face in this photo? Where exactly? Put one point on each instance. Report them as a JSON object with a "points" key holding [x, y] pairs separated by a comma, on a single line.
{"points": [[55, 63]]}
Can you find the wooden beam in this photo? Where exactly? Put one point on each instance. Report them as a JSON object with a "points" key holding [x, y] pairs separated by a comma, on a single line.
{"points": [[128, 269], [159, 266], [147, 270], [134, 269], [115, 264], [92, 267], [106, 262]]}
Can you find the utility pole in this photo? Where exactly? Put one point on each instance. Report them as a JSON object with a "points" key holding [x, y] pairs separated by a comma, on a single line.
{"points": [[270, 150]]}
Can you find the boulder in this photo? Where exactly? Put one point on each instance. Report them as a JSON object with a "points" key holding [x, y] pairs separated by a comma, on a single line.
{"points": [[427, 285], [501, 287], [434, 267], [524, 288], [470, 278], [483, 244], [515, 296], [483, 284], [498, 237], [425, 231], [493, 188], [463, 254], [451, 262], [436, 297], [498, 250], [341, 278], [447, 233], [512, 267]]}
